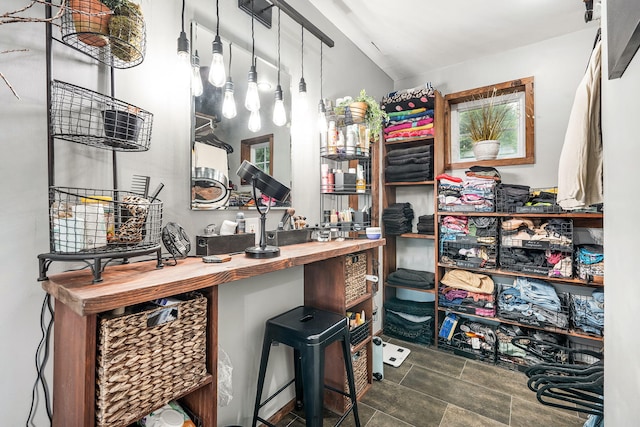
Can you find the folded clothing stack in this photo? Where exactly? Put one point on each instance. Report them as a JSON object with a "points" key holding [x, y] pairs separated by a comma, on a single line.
{"points": [[467, 292], [409, 164], [410, 113], [426, 224], [590, 262], [533, 302], [510, 197], [412, 278], [471, 193], [409, 320], [469, 239], [397, 219], [588, 312]]}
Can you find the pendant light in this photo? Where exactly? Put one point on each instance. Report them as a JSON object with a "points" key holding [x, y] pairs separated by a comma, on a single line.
{"points": [[229, 103], [322, 109], [279, 113], [255, 122], [252, 100], [183, 42], [196, 80], [302, 86], [216, 70]]}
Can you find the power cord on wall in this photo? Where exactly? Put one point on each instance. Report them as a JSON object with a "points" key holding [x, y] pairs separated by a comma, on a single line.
{"points": [[42, 356]]}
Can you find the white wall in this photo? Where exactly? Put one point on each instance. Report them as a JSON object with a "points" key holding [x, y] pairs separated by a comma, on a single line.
{"points": [[153, 85], [557, 66], [620, 111]]}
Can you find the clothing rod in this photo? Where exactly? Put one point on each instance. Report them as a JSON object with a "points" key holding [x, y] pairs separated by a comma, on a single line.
{"points": [[296, 16]]}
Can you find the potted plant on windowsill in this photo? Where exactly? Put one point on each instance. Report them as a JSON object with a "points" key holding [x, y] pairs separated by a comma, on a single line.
{"points": [[486, 124]]}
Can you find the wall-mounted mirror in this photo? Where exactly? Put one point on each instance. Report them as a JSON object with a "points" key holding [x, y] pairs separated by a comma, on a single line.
{"points": [[220, 144]]}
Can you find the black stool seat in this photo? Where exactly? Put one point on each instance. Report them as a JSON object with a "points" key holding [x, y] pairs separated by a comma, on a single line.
{"points": [[308, 331]]}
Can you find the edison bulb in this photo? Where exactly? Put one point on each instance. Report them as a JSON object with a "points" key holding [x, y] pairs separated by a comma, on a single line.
{"points": [[229, 103], [252, 100], [216, 71], [196, 81], [254, 121], [279, 113]]}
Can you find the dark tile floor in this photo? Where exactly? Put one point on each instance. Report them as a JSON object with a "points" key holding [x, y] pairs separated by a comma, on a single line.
{"points": [[436, 389]]}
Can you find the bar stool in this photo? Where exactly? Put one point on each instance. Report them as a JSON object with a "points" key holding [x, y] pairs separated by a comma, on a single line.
{"points": [[308, 331]]}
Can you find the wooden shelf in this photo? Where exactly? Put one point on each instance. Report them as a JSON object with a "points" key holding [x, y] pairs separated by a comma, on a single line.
{"points": [[408, 183], [428, 291], [570, 332], [429, 138], [572, 281], [417, 236], [569, 215]]}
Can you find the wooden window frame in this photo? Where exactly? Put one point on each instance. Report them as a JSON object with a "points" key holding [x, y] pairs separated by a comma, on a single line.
{"points": [[519, 85], [245, 150]]}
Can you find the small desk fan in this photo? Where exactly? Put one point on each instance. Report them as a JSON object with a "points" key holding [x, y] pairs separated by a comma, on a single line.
{"points": [[176, 240]]}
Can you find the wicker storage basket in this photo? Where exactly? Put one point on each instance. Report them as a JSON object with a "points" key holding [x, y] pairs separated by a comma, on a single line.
{"points": [[355, 277], [359, 361], [141, 367]]}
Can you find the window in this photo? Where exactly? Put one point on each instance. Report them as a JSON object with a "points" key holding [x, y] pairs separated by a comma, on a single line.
{"points": [[515, 98], [259, 151]]}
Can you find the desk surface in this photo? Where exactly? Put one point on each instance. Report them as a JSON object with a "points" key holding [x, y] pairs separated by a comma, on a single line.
{"points": [[134, 283]]}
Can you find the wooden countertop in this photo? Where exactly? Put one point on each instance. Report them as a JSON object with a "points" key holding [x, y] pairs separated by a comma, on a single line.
{"points": [[139, 282]]}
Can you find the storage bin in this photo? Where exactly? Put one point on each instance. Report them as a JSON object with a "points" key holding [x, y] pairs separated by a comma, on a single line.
{"points": [[361, 378], [355, 277], [359, 333], [149, 357], [91, 221]]}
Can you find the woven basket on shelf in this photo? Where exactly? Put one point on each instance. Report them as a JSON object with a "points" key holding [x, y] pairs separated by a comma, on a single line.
{"points": [[359, 361], [140, 368], [355, 276]]}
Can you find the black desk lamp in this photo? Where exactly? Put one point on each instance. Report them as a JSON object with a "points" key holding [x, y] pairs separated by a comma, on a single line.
{"points": [[269, 187]]}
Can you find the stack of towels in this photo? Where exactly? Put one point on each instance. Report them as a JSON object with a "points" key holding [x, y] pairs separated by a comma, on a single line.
{"points": [[409, 164], [412, 278], [409, 320], [397, 219], [425, 224]]}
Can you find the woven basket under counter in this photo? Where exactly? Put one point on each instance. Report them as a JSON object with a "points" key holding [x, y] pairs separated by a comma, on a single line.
{"points": [[360, 377], [140, 368], [355, 277]]}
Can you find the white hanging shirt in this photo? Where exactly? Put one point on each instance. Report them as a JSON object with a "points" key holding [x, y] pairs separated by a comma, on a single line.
{"points": [[580, 167]]}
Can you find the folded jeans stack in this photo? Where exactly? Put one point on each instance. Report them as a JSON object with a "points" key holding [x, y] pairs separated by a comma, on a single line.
{"points": [[412, 278], [409, 320], [588, 312], [411, 164], [532, 302], [397, 219]]}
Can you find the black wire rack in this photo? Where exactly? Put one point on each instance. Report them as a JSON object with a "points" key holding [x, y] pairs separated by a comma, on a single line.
{"points": [[87, 117], [90, 225], [117, 39]]}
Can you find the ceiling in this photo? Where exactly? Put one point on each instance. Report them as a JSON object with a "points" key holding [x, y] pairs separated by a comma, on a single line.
{"points": [[409, 37]]}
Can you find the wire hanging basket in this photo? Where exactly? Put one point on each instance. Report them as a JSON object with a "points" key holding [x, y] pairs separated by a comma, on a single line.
{"points": [[117, 39], [87, 117]]}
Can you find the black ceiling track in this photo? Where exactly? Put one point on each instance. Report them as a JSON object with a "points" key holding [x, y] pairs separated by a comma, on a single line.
{"points": [[262, 12]]}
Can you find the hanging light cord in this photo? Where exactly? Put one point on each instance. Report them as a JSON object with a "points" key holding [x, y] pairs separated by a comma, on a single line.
{"points": [[302, 52], [230, 44], [278, 46], [217, 17], [183, 3], [253, 41]]}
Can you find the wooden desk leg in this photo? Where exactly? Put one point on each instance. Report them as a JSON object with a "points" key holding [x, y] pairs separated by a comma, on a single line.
{"points": [[74, 368], [204, 401]]}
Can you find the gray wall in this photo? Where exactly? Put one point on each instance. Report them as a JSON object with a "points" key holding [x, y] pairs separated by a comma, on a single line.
{"points": [[156, 86]]}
